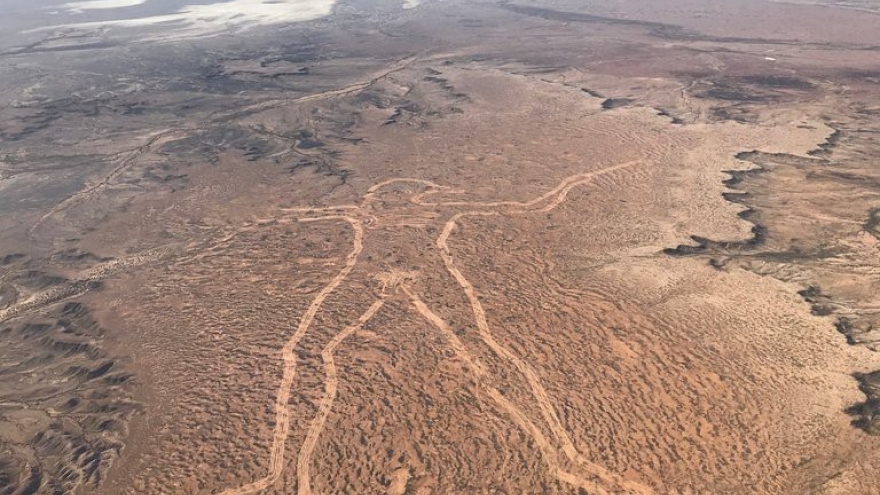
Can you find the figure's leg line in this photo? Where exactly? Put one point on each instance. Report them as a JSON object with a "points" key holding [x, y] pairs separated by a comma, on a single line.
{"points": [[548, 452], [544, 402], [282, 405], [531, 377], [331, 388]]}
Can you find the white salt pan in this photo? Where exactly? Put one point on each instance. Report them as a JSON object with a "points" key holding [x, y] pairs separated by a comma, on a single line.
{"points": [[80, 7], [201, 20]]}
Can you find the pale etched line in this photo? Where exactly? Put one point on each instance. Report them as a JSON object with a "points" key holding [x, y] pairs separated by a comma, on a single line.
{"points": [[560, 191], [538, 391], [319, 209], [282, 406], [331, 388], [375, 187], [522, 421]]}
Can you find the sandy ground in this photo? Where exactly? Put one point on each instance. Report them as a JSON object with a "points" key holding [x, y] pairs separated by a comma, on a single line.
{"points": [[541, 247]]}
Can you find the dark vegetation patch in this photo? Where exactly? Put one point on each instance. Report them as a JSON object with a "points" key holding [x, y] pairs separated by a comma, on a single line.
{"points": [[831, 142], [325, 166], [407, 111], [731, 113], [729, 93], [209, 144], [444, 84], [820, 304], [308, 143], [215, 79], [759, 232], [401, 112], [292, 60], [867, 413], [746, 247], [563, 16], [872, 76], [611, 103], [53, 45], [8, 295], [74, 255], [594, 94], [27, 125], [858, 329], [162, 174], [847, 327], [658, 29], [34, 117], [872, 224], [735, 113], [36, 280], [705, 245], [666, 113], [738, 95], [779, 82], [12, 258], [855, 179], [374, 98]]}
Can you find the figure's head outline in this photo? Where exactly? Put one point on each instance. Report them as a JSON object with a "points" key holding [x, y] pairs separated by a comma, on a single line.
{"points": [[377, 191]]}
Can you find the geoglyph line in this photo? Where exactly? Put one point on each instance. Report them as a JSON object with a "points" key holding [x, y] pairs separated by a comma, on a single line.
{"points": [[600, 479], [538, 391], [331, 388], [522, 421], [282, 406], [559, 192]]}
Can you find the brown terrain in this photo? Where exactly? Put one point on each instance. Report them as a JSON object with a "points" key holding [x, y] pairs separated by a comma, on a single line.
{"points": [[470, 247]]}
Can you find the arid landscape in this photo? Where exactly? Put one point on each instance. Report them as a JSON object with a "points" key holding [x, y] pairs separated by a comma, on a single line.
{"points": [[440, 247]]}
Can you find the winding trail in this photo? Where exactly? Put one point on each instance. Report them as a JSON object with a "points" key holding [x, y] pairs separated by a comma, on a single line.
{"points": [[282, 401], [396, 66], [123, 160]]}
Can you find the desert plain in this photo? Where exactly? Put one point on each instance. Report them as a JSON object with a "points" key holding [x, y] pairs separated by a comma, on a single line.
{"points": [[440, 247]]}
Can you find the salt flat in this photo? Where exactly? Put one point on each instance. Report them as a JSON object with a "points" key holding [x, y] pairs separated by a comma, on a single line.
{"points": [[80, 7], [196, 19]]}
